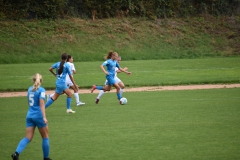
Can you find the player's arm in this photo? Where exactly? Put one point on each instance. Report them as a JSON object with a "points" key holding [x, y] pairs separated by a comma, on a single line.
{"points": [[51, 70], [71, 77], [74, 71], [103, 69], [125, 71], [119, 71], [42, 107]]}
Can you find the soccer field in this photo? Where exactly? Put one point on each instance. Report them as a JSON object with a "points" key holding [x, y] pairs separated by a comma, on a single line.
{"points": [[163, 125]]}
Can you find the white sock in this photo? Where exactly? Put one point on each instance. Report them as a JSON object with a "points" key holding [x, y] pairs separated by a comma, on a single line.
{"points": [[100, 94], [51, 95], [121, 91], [76, 97]]}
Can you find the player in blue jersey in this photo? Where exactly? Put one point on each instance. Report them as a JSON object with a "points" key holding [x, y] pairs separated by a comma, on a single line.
{"points": [[110, 64], [69, 82], [118, 80], [36, 117], [62, 69]]}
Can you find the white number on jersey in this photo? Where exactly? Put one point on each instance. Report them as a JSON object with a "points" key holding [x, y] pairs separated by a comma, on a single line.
{"points": [[31, 100]]}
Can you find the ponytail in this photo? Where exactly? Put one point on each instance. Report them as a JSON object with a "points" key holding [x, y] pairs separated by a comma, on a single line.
{"points": [[64, 57], [37, 80], [109, 55]]}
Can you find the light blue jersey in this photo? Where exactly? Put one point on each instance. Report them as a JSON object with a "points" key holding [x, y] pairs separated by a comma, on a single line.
{"points": [[34, 97], [61, 79], [111, 65], [111, 69]]}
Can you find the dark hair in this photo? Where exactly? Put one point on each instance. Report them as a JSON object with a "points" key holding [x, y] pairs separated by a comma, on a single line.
{"points": [[64, 57], [69, 57]]}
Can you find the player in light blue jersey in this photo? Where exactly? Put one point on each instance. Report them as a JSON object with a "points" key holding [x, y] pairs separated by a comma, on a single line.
{"points": [[118, 81], [62, 69], [110, 64], [36, 117]]}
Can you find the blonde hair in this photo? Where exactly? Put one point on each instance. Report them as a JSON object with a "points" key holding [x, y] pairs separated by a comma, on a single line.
{"points": [[37, 80]]}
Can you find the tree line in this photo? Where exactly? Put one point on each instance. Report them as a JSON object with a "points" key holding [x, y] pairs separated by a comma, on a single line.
{"points": [[98, 9]]}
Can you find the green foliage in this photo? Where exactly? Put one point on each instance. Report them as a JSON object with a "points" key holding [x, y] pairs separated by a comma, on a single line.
{"points": [[167, 125], [52, 9], [43, 40]]}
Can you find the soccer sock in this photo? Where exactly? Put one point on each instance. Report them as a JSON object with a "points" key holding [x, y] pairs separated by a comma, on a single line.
{"points": [[100, 94], [121, 91], [51, 94], [119, 95], [99, 87], [69, 99], [22, 145], [45, 147], [76, 97], [49, 102]]}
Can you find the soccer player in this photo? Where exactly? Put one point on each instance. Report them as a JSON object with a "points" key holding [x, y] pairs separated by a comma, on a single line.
{"points": [[118, 81], [62, 69], [111, 64], [36, 117], [69, 82]]}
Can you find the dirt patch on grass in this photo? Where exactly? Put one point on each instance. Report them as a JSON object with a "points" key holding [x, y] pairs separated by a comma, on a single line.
{"points": [[154, 88]]}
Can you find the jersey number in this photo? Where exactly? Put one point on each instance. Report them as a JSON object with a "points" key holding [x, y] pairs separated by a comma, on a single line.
{"points": [[31, 100]]}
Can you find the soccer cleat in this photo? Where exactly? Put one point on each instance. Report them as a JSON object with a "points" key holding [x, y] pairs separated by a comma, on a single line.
{"points": [[80, 103], [14, 156], [47, 158], [70, 111], [97, 100], [93, 88]]}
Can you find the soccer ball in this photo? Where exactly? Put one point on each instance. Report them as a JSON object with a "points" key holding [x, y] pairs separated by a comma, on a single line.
{"points": [[123, 101]]}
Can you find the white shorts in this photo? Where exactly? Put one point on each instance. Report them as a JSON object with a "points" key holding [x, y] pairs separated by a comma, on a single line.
{"points": [[69, 83], [117, 80]]}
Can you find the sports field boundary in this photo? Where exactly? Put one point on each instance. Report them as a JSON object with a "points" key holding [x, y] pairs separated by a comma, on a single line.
{"points": [[137, 89]]}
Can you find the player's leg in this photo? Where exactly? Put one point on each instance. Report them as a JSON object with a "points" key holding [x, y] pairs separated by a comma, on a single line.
{"points": [[76, 95], [24, 142], [100, 94], [117, 90], [52, 99], [122, 86], [45, 141], [69, 100]]}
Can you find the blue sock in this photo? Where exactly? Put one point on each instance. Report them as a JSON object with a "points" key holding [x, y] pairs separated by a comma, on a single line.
{"points": [[49, 102], [45, 147], [119, 95], [99, 87], [69, 99], [22, 145]]}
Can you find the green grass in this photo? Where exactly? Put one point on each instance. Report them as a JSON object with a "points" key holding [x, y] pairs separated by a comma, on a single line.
{"points": [[144, 73], [134, 38], [183, 125]]}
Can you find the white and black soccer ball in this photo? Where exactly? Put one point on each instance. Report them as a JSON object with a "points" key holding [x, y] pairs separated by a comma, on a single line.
{"points": [[123, 101]]}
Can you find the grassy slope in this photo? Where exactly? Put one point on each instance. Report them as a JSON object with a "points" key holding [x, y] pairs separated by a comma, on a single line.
{"points": [[43, 41]]}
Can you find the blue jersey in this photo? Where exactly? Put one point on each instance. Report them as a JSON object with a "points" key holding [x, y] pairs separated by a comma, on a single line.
{"points": [[66, 70], [34, 96], [111, 65]]}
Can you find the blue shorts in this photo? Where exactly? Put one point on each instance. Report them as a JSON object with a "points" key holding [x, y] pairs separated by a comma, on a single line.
{"points": [[110, 80], [60, 87], [33, 122]]}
